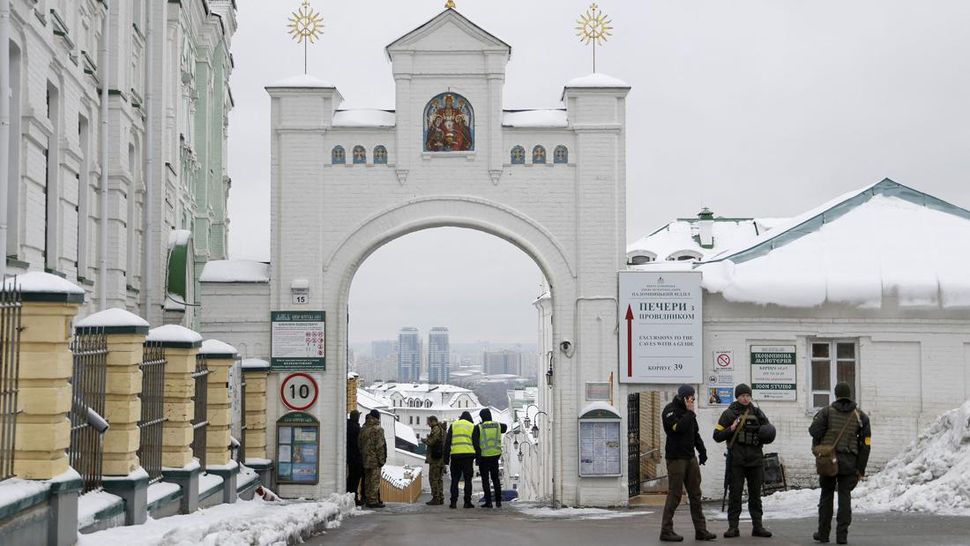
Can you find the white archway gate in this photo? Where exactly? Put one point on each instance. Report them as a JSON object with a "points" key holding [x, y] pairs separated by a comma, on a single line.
{"points": [[551, 182]]}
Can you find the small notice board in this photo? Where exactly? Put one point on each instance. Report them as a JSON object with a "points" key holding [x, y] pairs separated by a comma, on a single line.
{"points": [[298, 340], [297, 449], [599, 441]]}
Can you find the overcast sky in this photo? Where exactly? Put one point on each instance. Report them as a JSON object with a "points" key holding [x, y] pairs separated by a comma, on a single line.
{"points": [[751, 108]]}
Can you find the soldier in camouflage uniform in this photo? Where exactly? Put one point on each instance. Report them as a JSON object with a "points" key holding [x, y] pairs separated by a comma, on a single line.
{"points": [[435, 459], [845, 422], [373, 451]]}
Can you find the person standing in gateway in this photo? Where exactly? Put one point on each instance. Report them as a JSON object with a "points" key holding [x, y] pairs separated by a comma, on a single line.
{"points": [[683, 437], [461, 452], [435, 459], [488, 436], [373, 451]]}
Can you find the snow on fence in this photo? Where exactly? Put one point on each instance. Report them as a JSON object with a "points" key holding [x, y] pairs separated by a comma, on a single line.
{"points": [[400, 483], [88, 384]]}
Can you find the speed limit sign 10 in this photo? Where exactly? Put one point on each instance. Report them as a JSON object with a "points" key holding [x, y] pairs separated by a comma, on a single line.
{"points": [[298, 391]]}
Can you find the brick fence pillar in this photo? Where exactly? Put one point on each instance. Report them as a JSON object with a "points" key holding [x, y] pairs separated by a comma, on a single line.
{"points": [[255, 372], [220, 358]]}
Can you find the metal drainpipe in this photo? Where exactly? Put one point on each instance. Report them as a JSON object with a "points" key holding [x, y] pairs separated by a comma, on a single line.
{"points": [[4, 129], [147, 272], [103, 235]]}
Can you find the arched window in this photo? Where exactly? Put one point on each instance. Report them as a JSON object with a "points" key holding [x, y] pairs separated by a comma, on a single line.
{"points": [[638, 257], [338, 156], [427, 403], [360, 155], [560, 155], [380, 155], [538, 154], [449, 124], [518, 155]]}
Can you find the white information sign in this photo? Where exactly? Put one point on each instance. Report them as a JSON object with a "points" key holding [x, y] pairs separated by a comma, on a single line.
{"points": [[660, 327], [599, 448], [298, 340], [298, 391], [773, 372]]}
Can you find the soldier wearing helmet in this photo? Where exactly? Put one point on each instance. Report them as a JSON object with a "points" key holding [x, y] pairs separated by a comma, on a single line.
{"points": [[745, 428]]}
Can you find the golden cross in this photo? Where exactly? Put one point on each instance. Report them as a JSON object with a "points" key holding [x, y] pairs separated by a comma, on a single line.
{"points": [[450, 4], [593, 27], [306, 25]]}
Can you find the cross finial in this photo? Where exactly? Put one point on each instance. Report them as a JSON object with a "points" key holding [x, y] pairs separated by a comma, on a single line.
{"points": [[450, 4]]}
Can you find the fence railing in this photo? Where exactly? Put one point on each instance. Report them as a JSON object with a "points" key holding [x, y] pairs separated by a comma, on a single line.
{"points": [[152, 419], [9, 374], [88, 381], [241, 451], [200, 419]]}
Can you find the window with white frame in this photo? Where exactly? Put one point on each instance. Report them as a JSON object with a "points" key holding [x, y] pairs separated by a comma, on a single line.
{"points": [[832, 362]]}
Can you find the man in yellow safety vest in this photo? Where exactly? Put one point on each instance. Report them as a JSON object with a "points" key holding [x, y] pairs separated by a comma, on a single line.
{"points": [[461, 453], [488, 436]]}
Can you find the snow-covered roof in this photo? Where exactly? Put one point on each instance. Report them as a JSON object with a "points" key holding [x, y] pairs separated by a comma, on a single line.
{"points": [[178, 237], [884, 240], [682, 236], [368, 401], [405, 433], [597, 79], [216, 347], [112, 317], [38, 281], [305, 81], [235, 271], [173, 333], [364, 117], [535, 118]]}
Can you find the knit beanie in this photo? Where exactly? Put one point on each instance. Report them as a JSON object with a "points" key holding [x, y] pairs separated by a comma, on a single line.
{"points": [[741, 389], [842, 390], [685, 390]]}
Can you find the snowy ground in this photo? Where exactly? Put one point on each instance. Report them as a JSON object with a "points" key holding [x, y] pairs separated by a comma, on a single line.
{"points": [[255, 522], [536, 511], [932, 475]]}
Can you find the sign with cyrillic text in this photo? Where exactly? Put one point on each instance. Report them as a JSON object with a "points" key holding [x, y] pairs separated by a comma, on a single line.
{"points": [[660, 327]]}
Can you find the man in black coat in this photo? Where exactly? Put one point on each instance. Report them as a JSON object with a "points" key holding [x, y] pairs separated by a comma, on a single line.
{"points": [[461, 450], [739, 426], [355, 464], [852, 452], [683, 437]]}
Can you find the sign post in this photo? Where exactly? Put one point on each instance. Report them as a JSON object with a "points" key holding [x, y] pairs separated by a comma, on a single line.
{"points": [[660, 327]]}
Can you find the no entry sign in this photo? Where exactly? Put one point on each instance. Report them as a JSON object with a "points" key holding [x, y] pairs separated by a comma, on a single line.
{"points": [[298, 391]]}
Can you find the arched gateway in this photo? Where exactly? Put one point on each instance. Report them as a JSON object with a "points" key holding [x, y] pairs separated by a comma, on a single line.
{"points": [[448, 160]]}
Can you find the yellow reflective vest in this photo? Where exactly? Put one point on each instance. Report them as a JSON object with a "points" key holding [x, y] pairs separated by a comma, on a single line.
{"points": [[490, 438], [461, 438]]}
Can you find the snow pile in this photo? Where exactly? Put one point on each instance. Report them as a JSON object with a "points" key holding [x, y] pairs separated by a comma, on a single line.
{"points": [[931, 475], [243, 523], [364, 117], [235, 271], [400, 476], [535, 118], [574, 513]]}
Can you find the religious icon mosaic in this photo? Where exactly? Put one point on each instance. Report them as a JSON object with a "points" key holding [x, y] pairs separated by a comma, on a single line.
{"points": [[449, 124]]}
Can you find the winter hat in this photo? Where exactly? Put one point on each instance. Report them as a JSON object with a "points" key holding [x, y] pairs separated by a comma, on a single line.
{"points": [[375, 414], [354, 415], [485, 414], [685, 390], [842, 390], [466, 416], [741, 389]]}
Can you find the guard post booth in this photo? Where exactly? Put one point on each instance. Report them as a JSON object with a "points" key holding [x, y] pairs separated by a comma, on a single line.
{"points": [[599, 441]]}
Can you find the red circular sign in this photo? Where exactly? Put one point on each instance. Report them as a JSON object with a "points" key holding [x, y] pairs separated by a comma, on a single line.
{"points": [[298, 391], [723, 360]]}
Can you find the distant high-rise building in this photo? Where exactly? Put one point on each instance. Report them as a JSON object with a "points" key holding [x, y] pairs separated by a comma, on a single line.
{"points": [[408, 355], [382, 349], [502, 362], [438, 355]]}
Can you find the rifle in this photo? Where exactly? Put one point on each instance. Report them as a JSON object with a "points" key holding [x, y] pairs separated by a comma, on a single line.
{"points": [[727, 458]]}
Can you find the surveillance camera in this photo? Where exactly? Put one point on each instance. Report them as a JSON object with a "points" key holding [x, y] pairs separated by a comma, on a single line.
{"points": [[566, 345]]}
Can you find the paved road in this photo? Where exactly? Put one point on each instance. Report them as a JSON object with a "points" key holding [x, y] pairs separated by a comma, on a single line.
{"points": [[420, 525]]}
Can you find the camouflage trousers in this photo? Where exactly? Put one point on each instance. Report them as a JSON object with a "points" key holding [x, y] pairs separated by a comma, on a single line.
{"points": [[437, 489], [372, 485]]}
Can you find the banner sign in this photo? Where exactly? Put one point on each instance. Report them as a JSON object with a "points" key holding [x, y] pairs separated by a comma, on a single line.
{"points": [[773, 372], [298, 340], [660, 327]]}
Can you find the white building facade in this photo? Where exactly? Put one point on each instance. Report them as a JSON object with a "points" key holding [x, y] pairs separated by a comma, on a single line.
{"points": [[122, 192]]}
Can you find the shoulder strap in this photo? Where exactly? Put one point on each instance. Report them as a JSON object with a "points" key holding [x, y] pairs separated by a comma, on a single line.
{"points": [[744, 419], [845, 426]]}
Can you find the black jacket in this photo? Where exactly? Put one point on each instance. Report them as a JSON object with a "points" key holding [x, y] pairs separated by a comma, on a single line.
{"points": [[353, 449], [683, 437], [853, 449], [741, 454], [447, 449]]}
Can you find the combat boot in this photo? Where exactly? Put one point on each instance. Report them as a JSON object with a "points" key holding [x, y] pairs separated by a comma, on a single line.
{"points": [[704, 535], [670, 536], [732, 532], [453, 504], [760, 531], [819, 538], [842, 539]]}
